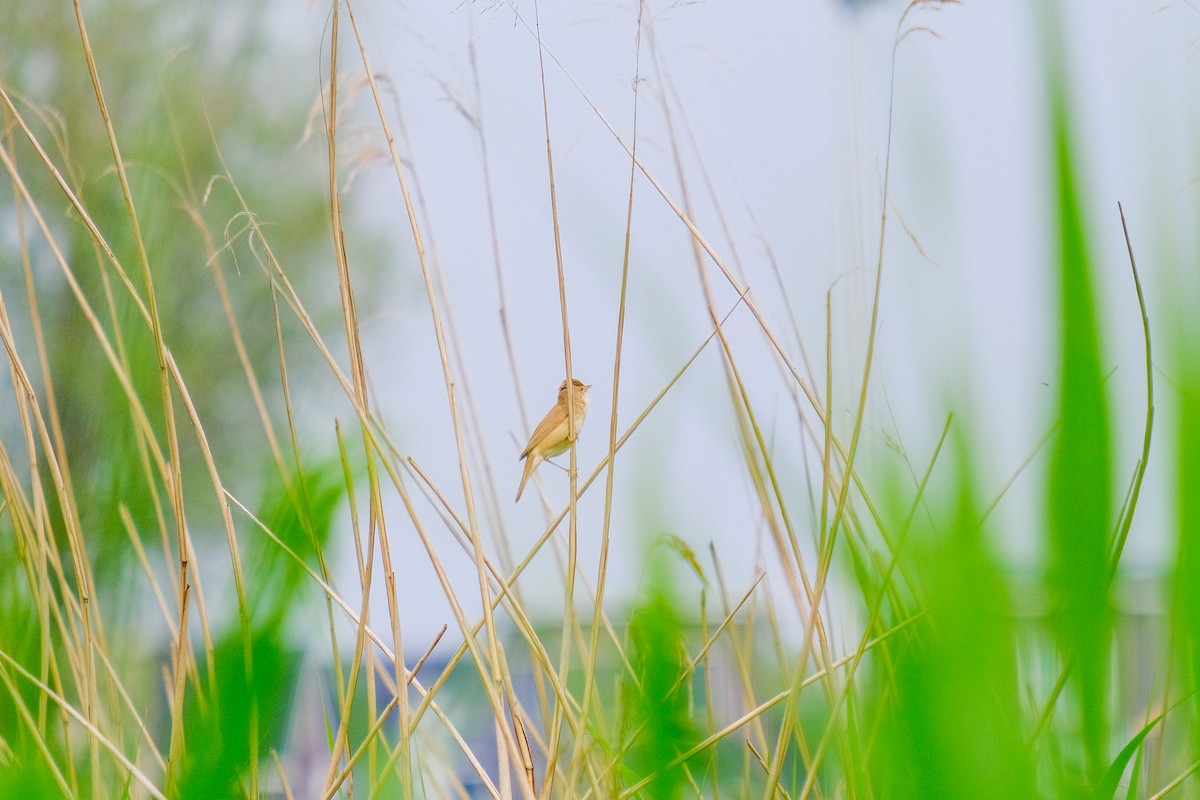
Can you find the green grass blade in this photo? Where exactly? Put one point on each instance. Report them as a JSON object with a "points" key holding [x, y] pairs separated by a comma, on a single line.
{"points": [[1108, 787], [1080, 500], [1186, 598]]}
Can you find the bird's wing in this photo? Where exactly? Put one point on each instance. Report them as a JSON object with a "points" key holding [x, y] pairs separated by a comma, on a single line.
{"points": [[553, 419]]}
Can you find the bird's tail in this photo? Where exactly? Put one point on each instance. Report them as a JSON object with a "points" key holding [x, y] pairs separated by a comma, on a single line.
{"points": [[531, 462]]}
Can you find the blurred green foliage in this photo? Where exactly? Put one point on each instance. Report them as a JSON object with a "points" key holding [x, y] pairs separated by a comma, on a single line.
{"points": [[952, 725], [187, 88], [210, 113], [656, 700], [240, 716], [300, 514]]}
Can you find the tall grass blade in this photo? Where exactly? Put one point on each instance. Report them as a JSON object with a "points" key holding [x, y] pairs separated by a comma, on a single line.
{"points": [[1079, 506], [1185, 606]]}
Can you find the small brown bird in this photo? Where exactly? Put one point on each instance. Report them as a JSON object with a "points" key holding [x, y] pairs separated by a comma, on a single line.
{"points": [[550, 437]]}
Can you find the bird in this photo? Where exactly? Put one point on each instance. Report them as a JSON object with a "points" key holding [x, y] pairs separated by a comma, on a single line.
{"points": [[552, 435]]}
